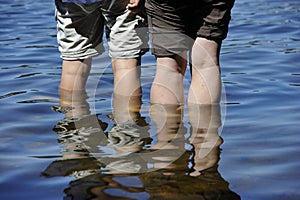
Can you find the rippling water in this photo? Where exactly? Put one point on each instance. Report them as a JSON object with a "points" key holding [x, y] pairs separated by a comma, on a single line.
{"points": [[259, 156]]}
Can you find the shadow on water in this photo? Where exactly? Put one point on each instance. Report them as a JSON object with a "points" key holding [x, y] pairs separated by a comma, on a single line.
{"points": [[160, 159]]}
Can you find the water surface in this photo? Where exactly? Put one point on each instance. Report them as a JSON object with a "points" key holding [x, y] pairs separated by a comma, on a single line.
{"points": [[257, 159]]}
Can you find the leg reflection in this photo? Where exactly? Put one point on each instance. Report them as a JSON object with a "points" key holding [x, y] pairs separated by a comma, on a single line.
{"points": [[79, 131], [130, 132], [194, 173], [205, 121], [169, 142], [126, 139]]}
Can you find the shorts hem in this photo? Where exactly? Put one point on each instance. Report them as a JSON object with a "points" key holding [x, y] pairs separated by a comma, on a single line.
{"points": [[126, 55], [82, 54]]}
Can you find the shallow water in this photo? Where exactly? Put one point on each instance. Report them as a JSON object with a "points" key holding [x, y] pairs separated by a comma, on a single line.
{"points": [[259, 156]]}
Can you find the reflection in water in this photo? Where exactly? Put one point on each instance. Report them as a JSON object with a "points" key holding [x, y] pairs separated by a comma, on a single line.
{"points": [[194, 174], [127, 162]]}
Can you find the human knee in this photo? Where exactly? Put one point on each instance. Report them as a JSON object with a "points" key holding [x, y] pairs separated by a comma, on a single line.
{"points": [[172, 64], [205, 53]]}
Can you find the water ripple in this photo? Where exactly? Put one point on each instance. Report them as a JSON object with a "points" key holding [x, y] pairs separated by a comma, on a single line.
{"points": [[259, 63]]}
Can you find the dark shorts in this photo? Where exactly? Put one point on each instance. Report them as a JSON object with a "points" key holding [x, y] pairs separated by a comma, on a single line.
{"points": [[175, 24]]}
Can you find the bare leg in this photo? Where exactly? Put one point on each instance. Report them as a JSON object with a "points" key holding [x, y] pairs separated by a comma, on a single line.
{"points": [[75, 102], [126, 105], [126, 108], [205, 87], [72, 86], [75, 74], [127, 89], [73, 97], [167, 86]]}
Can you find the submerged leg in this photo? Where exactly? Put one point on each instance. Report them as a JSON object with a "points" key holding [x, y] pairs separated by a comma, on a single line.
{"points": [[127, 89]]}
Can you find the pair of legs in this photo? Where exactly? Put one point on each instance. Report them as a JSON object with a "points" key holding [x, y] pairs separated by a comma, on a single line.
{"points": [[80, 30], [205, 87], [127, 90], [173, 26]]}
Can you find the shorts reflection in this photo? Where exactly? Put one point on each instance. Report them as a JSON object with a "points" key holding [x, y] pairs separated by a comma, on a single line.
{"points": [[162, 159]]}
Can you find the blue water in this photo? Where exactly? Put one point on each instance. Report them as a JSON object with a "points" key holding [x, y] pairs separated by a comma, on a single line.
{"points": [[258, 159]]}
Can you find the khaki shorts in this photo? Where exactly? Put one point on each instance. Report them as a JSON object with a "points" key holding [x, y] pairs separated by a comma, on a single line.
{"points": [[126, 31], [80, 30]]}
